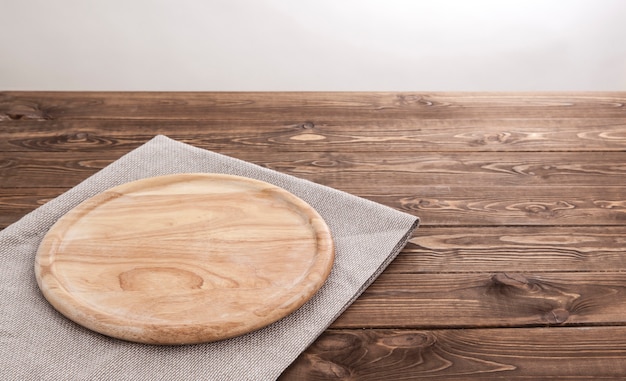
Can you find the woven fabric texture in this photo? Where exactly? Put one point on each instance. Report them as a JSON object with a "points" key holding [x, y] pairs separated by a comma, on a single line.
{"points": [[36, 342]]}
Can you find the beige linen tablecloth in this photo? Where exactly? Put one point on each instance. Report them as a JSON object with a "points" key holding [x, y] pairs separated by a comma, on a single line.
{"points": [[36, 342]]}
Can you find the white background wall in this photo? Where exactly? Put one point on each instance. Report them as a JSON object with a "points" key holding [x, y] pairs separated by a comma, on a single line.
{"points": [[270, 45]]}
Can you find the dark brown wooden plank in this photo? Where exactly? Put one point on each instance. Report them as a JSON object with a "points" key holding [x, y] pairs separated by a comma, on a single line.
{"points": [[432, 173], [452, 200], [486, 354], [492, 206], [452, 168], [49, 169], [306, 106], [508, 206], [512, 205], [502, 249], [450, 189], [322, 134], [489, 300]]}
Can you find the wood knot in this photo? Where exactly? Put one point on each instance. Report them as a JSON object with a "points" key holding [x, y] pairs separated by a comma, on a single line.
{"points": [[409, 340], [556, 316], [499, 138], [513, 284], [23, 111], [536, 208], [324, 163], [306, 125], [81, 136], [340, 342], [15, 116], [410, 99], [510, 279], [328, 369]]}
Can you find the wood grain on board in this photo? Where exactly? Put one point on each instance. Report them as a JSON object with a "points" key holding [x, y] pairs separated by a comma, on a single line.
{"points": [[143, 260], [517, 271], [465, 354]]}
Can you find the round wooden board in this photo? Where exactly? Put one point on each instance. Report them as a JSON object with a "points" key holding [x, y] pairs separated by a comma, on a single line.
{"points": [[185, 258]]}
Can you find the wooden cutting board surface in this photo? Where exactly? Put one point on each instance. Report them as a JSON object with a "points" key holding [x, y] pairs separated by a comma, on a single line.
{"points": [[184, 258]]}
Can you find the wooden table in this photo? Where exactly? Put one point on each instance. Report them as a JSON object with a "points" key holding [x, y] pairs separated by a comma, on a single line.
{"points": [[518, 270]]}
